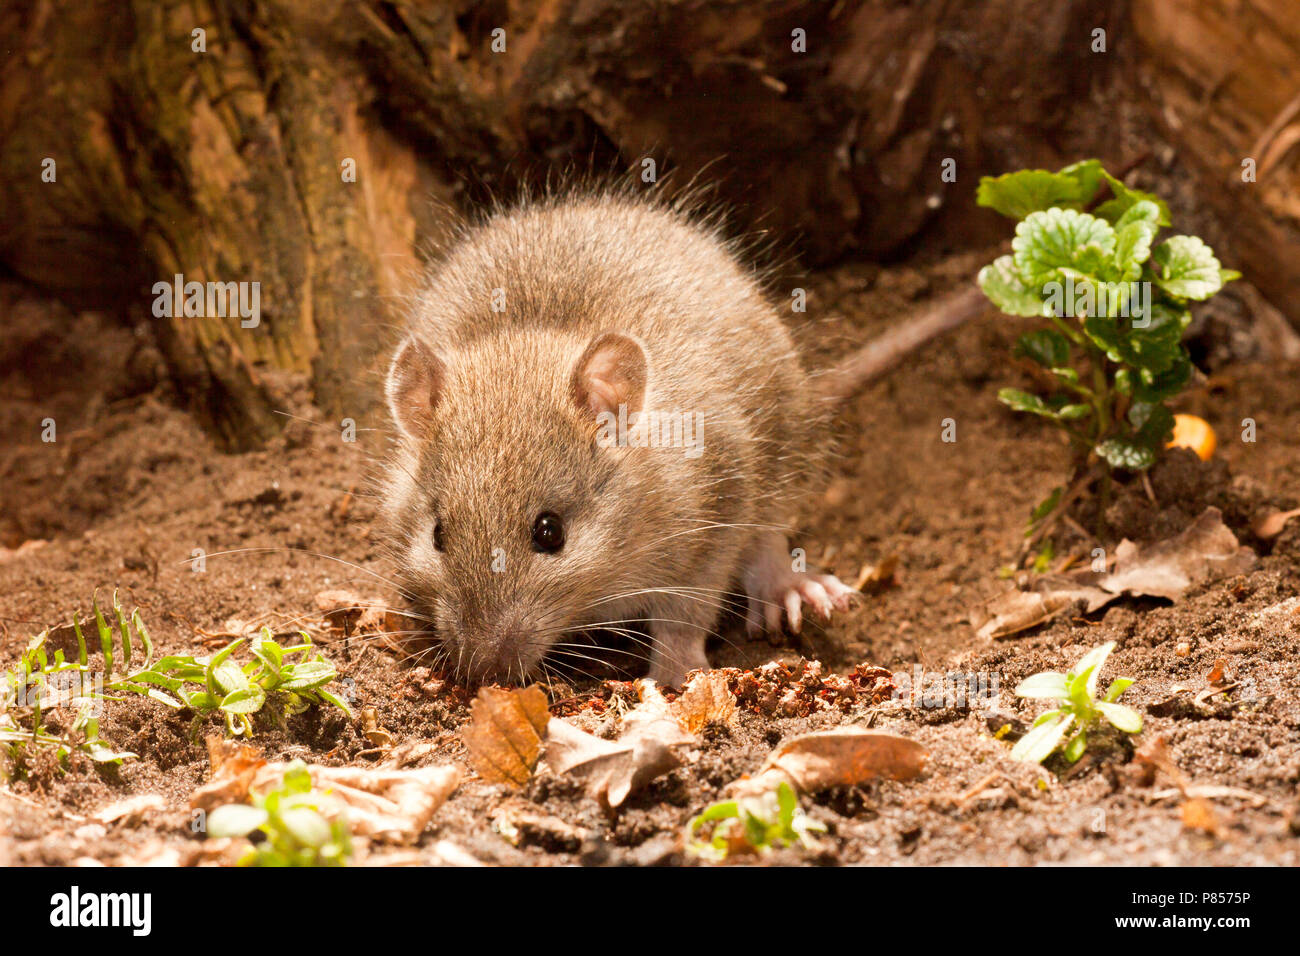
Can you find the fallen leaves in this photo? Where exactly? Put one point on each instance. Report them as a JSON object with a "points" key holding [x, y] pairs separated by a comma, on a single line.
{"points": [[504, 736], [706, 700], [384, 804], [512, 730], [1206, 549], [612, 770], [877, 576], [845, 756]]}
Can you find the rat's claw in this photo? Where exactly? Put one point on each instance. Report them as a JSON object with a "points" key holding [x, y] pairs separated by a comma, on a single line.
{"points": [[793, 609]]}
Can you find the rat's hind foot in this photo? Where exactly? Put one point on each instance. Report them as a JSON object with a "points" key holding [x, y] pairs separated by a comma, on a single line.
{"points": [[772, 586]]}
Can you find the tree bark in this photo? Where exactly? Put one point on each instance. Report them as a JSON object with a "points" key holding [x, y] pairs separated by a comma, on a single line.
{"points": [[225, 165]]}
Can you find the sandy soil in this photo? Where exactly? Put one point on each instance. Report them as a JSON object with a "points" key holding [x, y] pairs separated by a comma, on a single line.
{"points": [[131, 487]]}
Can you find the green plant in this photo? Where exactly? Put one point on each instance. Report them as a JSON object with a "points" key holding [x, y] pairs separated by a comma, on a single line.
{"points": [[753, 824], [1079, 710], [1117, 301], [205, 685], [295, 831]]}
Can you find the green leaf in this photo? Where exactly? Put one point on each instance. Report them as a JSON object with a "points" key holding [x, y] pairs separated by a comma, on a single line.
{"points": [[1152, 340], [1094, 660], [1047, 685], [235, 820], [1018, 194], [1037, 745], [1134, 233], [229, 677], [1188, 268], [82, 656], [1002, 284], [1024, 402], [788, 803], [1087, 174], [1047, 242], [1151, 386], [1077, 745], [335, 700], [1126, 453], [210, 672], [1121, 717], [145, 641], [1154, 424], [246, 700], [1045, 507], [307, 675], [105, 635], [1117, 687], [125, 631], [1114, 210], [1070, 413], [1047, 347]]}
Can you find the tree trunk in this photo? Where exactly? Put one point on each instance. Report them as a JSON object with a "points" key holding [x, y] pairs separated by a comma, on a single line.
{"points": [[227, 165]]}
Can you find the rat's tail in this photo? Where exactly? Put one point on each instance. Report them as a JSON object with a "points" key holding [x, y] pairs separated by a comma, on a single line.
{"points": [[878, 356]]}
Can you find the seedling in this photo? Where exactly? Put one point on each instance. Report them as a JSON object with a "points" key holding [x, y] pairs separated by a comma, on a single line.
{"points": [[753, 824], [205, 685], [295, 831], [1079, 711], [1118, 304]]}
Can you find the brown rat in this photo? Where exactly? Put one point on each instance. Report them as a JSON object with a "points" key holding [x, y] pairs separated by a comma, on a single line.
{"points": [[523, 514]]}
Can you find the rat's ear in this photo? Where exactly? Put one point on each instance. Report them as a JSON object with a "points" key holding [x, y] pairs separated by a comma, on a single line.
{"points": [[610, 373], [415, 381]]}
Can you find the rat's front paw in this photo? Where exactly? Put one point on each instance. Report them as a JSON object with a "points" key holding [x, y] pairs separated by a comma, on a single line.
{"points": [[770, 593]]}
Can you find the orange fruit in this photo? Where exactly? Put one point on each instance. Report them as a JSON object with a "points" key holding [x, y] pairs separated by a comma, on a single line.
{"points": [[1194, 433]]}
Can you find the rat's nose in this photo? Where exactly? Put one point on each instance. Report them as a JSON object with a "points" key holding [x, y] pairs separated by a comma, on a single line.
{"points": [[498, 655]]}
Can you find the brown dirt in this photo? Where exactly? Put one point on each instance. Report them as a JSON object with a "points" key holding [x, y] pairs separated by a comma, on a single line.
{"points": [[132, 486]]}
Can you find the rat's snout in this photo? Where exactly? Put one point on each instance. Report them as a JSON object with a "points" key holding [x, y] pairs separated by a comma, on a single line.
{"points": [[502, 650]]}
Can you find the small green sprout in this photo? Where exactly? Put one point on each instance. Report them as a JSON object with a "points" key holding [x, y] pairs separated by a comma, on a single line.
{"points": [[289, 818], [1080, 711], [204, 685], [753, 824]]}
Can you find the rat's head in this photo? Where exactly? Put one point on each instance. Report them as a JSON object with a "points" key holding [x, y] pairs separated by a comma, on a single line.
{"points": [[517, 524]]}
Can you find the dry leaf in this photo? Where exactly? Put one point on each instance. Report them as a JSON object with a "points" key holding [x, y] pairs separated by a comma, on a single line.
{"points": [[1204, 550], [706, 700], [1014, 611], [883, 574], [377, 735], [350, 612], [130, 811], [504, 736], [612, 770], [1271, 525], [842, 757], [233, 767], [390, 805]]}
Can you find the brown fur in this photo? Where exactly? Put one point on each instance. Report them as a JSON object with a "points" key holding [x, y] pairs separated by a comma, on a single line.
{"points": [[504, 438]]}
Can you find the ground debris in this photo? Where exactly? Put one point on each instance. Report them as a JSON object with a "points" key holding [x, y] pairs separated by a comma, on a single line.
{"points": [[1204, 550], [843, 757], [612, 770], [504, 736]]}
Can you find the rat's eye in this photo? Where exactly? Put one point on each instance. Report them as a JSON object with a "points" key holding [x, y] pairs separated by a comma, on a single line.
{"points": [[548, 532], [438, 543]]}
